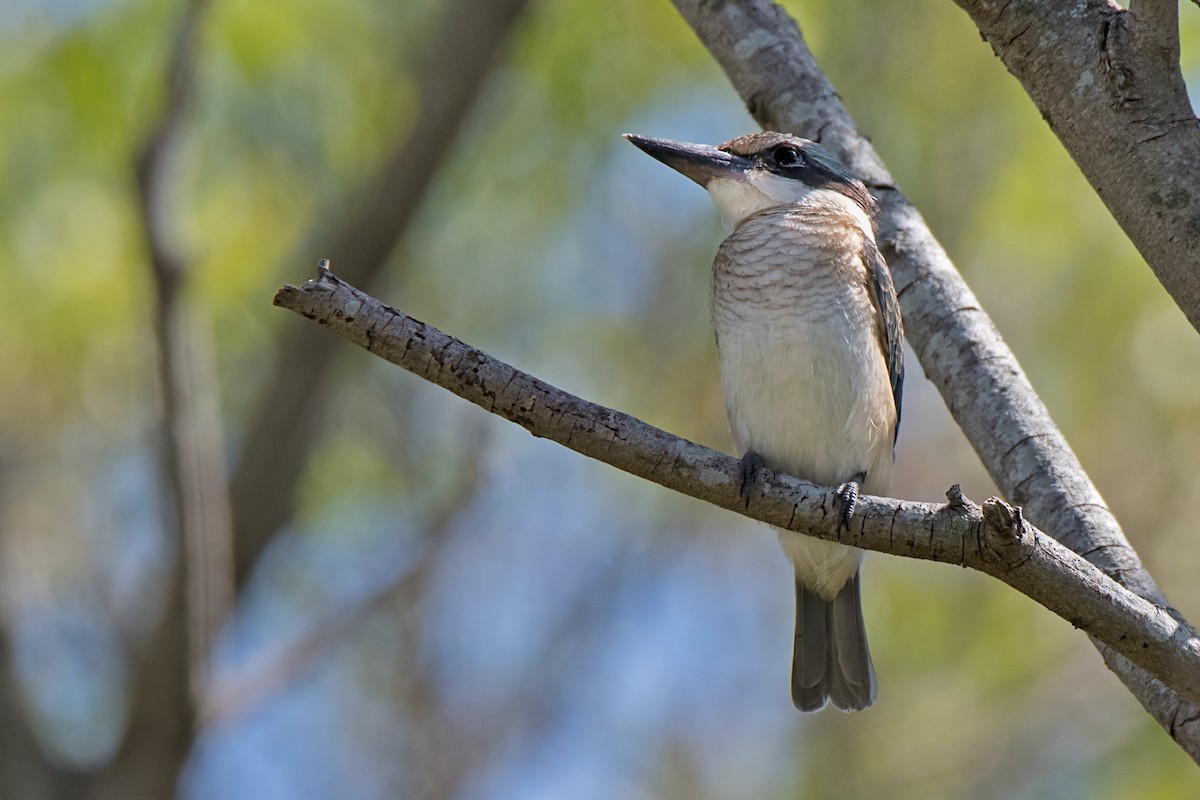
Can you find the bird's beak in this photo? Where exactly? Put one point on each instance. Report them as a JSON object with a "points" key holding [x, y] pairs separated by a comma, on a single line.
{"points": [[699, 162]]}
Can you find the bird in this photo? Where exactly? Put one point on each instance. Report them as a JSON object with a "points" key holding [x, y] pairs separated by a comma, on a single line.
{"points": [[810, 347]]}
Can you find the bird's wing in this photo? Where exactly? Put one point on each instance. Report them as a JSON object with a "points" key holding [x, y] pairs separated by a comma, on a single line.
{"points": [[891, 328]]}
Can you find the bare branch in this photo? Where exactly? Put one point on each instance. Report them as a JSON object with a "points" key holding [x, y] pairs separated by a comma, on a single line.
{"points": [[995, 540], [159, 733], [1108, 83], [762, 51], [193, 439], [451, 75]]}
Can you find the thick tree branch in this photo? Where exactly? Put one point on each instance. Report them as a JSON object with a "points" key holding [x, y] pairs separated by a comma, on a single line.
{"points": [[1108, 82], [363, 235], [762, 51], [995, 540]]}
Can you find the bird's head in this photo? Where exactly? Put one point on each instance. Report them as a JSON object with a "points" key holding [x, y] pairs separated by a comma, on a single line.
{"points": [[759, 171]]}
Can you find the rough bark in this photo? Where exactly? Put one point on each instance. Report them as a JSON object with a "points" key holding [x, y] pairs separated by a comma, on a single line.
{"points": [[995, 539], [1108, 82], [764, 54]]}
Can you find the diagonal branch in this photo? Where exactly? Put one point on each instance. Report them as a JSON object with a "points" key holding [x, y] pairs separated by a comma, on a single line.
{"points": [[364, 235], [1108, 82], [762, 51], [995, 540]]}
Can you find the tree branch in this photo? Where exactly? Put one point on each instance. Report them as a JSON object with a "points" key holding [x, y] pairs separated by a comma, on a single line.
{"points": [[193, 439], [168, 668], [1108, 82], [762, 51], [995, 540]]}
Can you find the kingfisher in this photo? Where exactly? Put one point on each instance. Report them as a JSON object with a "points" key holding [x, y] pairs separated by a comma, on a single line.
{"points": [[810, 345]]}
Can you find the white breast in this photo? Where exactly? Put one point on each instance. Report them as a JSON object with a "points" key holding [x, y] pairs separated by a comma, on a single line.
{"points": [[805, 378], [814, 400]]}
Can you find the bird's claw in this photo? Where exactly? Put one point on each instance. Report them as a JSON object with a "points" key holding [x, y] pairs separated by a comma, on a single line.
{"points": [[847, 499], [748, 473]]}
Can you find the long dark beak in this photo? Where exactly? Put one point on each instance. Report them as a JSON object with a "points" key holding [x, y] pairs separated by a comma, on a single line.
{"points": [[699, 162]]}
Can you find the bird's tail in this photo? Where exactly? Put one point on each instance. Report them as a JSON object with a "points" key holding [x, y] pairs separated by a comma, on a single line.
{"points": [[831, 661]]}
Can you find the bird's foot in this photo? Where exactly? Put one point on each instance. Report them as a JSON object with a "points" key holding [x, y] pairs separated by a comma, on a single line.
{"points": [[751, 463], [847, 499]]}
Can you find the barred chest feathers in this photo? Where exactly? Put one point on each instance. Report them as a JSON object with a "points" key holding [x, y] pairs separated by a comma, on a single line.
{"points": [[805, 378]]}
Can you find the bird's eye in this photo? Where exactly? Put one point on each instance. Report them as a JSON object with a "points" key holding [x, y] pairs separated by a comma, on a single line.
{"points": [[787, 156]]}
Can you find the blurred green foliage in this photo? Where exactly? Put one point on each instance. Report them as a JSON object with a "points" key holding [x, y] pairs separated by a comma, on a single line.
{"points": [[584, 634]]}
